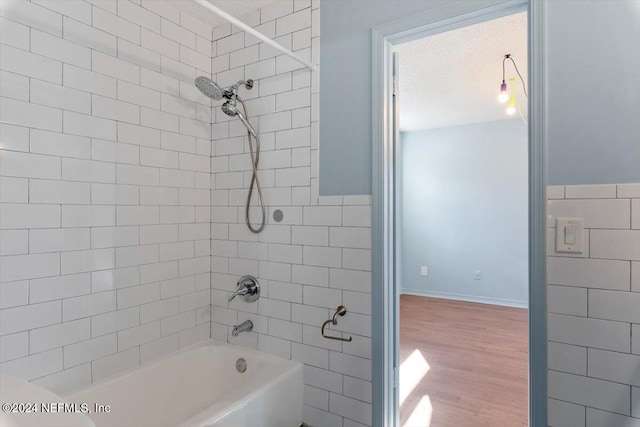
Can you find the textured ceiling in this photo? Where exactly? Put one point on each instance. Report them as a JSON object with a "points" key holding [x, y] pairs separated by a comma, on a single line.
{"points": [[453, 78], [236, 8]]}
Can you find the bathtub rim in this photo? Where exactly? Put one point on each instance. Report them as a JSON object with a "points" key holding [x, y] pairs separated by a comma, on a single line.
{"points": [[204, 343]]}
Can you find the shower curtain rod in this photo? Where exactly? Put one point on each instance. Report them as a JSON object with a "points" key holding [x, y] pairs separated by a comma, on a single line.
{"points": [[253, 32]]}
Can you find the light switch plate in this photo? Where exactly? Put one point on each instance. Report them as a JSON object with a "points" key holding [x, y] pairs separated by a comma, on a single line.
{"points": [[570, 235]]}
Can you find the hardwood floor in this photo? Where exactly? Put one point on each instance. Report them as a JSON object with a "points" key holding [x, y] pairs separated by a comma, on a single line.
{"points": [[478, 363]]}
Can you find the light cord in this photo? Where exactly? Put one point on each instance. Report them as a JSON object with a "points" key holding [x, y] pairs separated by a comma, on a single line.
{"points": [[508, 56], [503, 60]]}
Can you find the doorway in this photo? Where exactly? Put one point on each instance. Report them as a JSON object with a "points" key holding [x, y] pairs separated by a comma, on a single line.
{"points": [[386, 136], [462, 226]]}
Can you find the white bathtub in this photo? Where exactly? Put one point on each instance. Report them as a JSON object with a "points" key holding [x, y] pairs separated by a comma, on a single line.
{"points": [[201, 387]]}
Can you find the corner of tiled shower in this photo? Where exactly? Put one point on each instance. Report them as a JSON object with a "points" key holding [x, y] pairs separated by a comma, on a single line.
{"points": [[319, 256]]}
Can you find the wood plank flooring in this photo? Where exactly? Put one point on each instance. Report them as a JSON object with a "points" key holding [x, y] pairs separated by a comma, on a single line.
{"points": [[478, 363]]}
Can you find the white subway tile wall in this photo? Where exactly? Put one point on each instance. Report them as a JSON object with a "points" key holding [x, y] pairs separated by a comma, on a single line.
{"points": [[593, 304], [104, 187], [318, 256]]}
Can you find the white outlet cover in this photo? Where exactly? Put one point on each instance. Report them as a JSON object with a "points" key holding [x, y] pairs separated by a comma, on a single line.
{"points": [[573, 227]]}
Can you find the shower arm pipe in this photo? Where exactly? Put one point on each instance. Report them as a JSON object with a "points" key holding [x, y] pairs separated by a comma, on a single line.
{"points": [[257, 34]]}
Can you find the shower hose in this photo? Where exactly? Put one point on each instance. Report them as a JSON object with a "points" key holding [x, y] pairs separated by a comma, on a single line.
{"points": [[255, 180]]}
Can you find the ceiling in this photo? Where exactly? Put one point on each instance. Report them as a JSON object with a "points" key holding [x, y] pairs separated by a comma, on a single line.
{"points": [[453, 78], [236, 8]]}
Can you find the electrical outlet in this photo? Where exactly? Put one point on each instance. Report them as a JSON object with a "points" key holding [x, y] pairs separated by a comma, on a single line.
{"points": [[478, 275], [424, 271]]}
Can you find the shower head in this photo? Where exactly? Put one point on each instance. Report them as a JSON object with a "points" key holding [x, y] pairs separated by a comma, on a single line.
{"points": [[209, 88], [214, 91]]}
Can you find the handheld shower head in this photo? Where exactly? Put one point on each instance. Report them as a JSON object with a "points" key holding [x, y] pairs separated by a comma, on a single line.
{"points": [[209, 88], [230, 108]]}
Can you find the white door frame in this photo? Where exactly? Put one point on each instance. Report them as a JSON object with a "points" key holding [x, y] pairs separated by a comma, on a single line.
{"points": [[384, 293]]}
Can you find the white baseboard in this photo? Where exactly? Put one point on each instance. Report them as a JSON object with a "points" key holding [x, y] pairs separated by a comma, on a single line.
{"points": [[469, 298]]}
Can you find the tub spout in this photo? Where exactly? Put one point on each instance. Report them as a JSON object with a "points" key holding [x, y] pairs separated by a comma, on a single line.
{"points": [[245, 326]]}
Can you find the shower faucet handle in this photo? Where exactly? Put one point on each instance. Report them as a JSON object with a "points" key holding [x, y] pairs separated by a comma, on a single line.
{"points": [[248, 288]]}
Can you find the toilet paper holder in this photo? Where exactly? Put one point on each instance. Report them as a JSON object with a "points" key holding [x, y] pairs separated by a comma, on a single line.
{"points": [[340, 311]]}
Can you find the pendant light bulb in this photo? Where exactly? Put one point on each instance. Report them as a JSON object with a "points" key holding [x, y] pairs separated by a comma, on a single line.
{"points": [[504, 95], [511, 109]]}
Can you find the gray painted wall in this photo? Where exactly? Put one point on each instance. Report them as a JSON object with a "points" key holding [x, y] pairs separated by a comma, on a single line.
{"points": [[593, 91], [591, 138], [345, 82], [464, 208]]}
